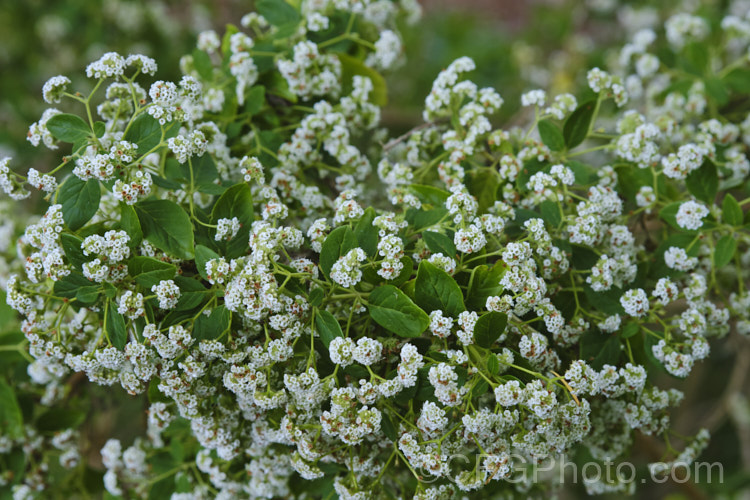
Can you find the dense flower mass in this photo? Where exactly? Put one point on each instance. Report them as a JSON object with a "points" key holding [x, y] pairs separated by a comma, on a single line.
{"points": [[221, 247]]}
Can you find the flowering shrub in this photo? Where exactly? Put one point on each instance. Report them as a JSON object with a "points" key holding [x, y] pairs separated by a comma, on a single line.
{"points": [[300, 296], [64, 35]]}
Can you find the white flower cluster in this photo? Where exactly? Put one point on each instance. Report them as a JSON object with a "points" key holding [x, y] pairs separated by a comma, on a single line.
{"points": [[601, 81], [689, 157], [346, 270], [311, 73], [168, 294], [388, 50], [241, 63], [109, 252], [391, 248], [544, 253], [54, 88], [9, 182], [189, 145], [172, 103], [38, 131], [104, 166], [690, 215], [226, 229]]}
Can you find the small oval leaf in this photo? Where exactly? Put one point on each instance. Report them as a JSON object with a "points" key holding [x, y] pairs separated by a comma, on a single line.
{"points": [[395, 312], [724, 250], [68, 128], [328, 327], [577, 125], [489, 327], [551, 135]]}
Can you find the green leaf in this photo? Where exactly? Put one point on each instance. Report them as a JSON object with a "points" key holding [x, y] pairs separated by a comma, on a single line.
{"points": [[366, 233], [328, 326], [482, 386], [598, 349], [316, 296], [162, 488], [237, 201], [7, 316], [68, 128], [429, 194], [738, 80], [56, 419], [551, 135], [483, 186], [356, 371], [278, 86], [606, 301], [164, 183], [79, 200], [630, 330], [439, 243], [408, 288], [423, 219], [204, 173], [148, 271], [116, 332], [99, 129], [717, 90], [337, 244], [395, 312], [202, 256], [11, 418], [485, 283], [193, 293], [577, 125], [69, 285], [731, 211], [211, 188], [130, 224], [266, 62], [696, 57], [489, 327], [630, 180], [724, 250], [109, 290], [277, 12], [202, 63], [351, 66], [167, 226], [437, 290], [255, 99], [211, 327], [493, 365], [703, 183], [88, 295], [145, 131], [389, 428], [583, 173], [72, 246], [550, 213]]}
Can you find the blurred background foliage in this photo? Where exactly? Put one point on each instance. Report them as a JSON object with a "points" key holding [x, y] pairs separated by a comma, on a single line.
{"points": [[517, 45]]}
